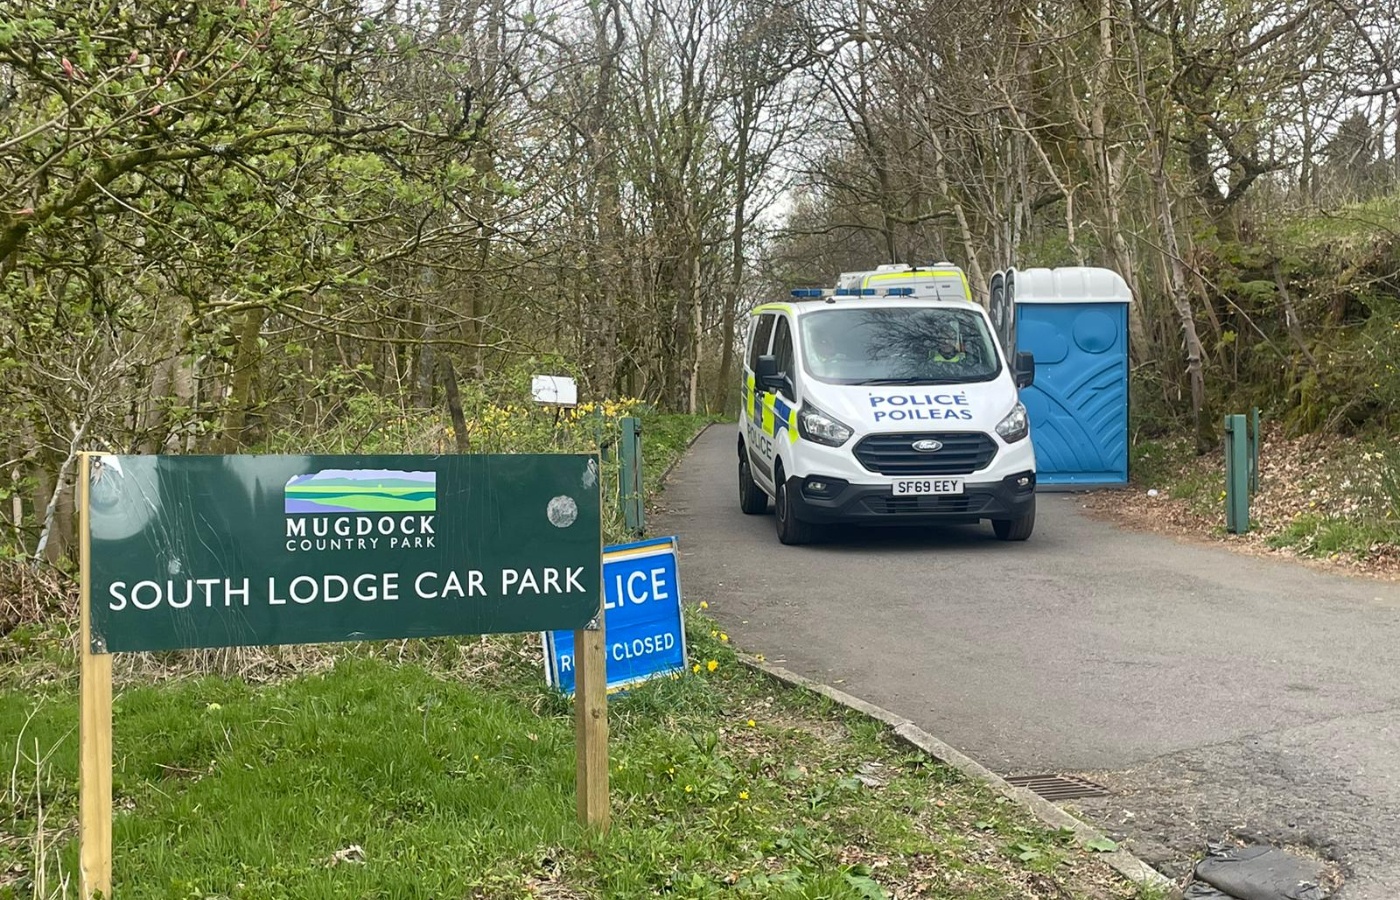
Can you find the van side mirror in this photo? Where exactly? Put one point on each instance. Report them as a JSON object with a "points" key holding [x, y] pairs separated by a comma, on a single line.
{"points": [[1025, 369], [766, 374]]}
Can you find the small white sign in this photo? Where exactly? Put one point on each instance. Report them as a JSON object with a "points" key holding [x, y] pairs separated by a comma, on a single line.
{"points": [[556, 390]]}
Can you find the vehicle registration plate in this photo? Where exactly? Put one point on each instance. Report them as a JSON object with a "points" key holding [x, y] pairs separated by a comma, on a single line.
{"points": [[918, 486]]}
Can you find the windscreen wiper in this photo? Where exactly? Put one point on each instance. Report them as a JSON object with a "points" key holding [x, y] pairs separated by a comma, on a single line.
{"points": [[913, 381]]}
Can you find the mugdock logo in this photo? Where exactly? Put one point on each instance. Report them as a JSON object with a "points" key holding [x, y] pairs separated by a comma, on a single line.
{"points": [[360, 509]]}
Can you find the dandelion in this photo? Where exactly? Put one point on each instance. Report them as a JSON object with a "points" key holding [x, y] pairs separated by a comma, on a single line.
{"points": [[752, 723], [704, 605], [712, 665], [671, 771], [724, 638], [714, 633], [758, 656], [743, 795], [695, 668], [690, 788]]}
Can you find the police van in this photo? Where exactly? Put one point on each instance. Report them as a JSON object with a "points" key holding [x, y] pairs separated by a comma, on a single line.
{"points": [[886, 400]]}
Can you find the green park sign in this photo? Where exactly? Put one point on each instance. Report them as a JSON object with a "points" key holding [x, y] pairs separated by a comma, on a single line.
{"points": [[220, 551]]}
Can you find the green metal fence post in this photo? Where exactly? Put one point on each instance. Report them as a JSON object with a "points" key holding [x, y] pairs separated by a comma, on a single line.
{"points": [[1254, 440], [630, 493], [1237, 474]]}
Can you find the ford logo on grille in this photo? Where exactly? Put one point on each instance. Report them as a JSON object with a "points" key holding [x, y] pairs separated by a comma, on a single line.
{"points": [[928, 446]]}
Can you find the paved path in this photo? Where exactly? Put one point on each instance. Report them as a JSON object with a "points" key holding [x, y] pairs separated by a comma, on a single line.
{"points": [[1216, 693]]}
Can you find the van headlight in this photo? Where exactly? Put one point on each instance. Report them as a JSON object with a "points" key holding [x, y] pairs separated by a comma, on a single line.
{"points": [[816, 426], [1016, 425]]}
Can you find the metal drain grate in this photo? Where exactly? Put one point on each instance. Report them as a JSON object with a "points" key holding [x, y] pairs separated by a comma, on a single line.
{"points": [[1059, 787]]}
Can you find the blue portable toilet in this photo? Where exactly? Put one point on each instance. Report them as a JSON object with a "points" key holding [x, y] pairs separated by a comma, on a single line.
{"points": [[1075, 321]]}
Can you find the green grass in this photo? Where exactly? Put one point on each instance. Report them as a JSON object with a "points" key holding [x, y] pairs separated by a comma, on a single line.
{"points": [[1173, 468], [463, 788], [1311, 534], [364, 502]]}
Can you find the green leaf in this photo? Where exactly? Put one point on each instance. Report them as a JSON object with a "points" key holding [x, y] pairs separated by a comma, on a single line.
{"points": [[1102, 845], [866, 886]]}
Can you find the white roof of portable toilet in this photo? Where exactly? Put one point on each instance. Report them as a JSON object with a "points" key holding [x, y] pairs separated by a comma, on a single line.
{"points": [[1071, 284]]}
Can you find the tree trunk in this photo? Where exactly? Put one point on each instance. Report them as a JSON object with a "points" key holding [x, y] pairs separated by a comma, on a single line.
{"points": [[246, 360], [940, 169], [1181, 301], [1290, 315], [728, 337], [454, 405]]}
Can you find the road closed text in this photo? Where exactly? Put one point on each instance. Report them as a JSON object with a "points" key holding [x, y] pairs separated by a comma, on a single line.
{"points": [[208, 593]]}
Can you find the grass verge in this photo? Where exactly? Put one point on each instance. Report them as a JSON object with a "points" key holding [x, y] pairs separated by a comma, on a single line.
{"points": [[384, 779], [1328, 498]]}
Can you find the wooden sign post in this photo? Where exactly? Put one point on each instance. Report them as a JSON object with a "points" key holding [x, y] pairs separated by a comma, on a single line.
{"points": [[591, 724], [94, 723]]}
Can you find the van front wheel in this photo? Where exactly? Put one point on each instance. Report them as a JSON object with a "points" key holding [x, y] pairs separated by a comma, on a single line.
{"points": [[791, 530], [1018, 529], [752, 500]]}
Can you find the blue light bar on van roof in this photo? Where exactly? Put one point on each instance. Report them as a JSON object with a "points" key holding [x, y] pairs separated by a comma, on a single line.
{"points": [[807, 293], [900, 292], [855, 292]]}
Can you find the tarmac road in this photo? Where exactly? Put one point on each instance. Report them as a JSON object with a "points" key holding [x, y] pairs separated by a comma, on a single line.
{"points": [[1216, 693]]}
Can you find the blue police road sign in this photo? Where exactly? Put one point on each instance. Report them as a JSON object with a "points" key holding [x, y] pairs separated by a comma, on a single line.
{"points": [[641, 618]]}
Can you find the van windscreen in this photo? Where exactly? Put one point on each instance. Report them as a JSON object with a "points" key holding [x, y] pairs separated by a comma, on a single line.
{"points": [[898, 345]]}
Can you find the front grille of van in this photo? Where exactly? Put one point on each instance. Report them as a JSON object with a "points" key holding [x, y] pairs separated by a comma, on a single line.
{"points": [[956, 504], [963, 453]]}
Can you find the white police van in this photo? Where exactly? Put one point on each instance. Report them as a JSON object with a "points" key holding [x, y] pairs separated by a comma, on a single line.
{"points": [[887, 400]]}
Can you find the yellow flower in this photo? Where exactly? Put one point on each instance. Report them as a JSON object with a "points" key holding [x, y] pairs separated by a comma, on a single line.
{"points": [[714, 633], [704, 605], [213, 707], [723, 637], [743, 795], [712, 665], [689, 788], [758, 656], [695, 668], [752, 723], [671, 771]]}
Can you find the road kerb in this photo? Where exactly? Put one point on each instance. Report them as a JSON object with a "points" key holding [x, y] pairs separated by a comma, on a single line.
{"points": [[1123, 862]]}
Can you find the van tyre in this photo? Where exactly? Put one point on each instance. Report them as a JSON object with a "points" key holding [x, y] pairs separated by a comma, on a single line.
{"points": [[752, 500], [1017, 529], [791, 530]]}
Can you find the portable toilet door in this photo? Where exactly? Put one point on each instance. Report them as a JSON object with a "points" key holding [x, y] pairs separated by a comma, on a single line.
{"points": [[1075, 321], [1002, 306]]}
